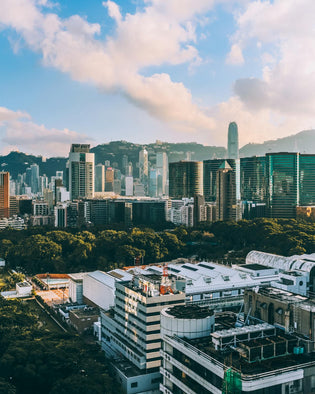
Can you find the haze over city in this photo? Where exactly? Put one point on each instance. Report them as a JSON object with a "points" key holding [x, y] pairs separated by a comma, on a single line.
{"points": [[92, 72]]}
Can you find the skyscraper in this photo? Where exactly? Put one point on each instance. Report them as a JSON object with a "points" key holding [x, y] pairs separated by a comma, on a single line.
{"points": [[81, 171], [34, 178], [109, 179], [162, 173], [210, 170], [185, 179], [4, 194], [233, 141], [99, 178], [253, 179], [143, 166], [283, 184], [226, 204]]}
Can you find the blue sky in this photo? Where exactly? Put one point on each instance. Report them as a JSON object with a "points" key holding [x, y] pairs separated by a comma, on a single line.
{"points": [[94, 71]]}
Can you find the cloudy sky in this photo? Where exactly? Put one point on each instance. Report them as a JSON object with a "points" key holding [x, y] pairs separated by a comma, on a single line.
{"points": [[140, 70]]}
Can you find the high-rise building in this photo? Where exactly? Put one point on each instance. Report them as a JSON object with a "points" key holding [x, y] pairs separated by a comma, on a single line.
{"points": [[210, 169], [35, 178], [109, 179], [153, 182], [132, 333], [226, 203], [4, 194], [233, 141], [143, 166], [129, 186], [199, 208], [99, 178], [185, 179], [253, 179], [124, 164], [162, 173], [283, 184], [307, 179], [81, 171]]}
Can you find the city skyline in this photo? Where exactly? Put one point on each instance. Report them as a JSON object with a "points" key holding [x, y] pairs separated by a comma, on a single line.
{"points": [[70, 72]]}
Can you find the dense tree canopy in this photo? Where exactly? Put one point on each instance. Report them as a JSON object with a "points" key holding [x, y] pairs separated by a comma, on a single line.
{"points": [[40, 250], [33, 360]]}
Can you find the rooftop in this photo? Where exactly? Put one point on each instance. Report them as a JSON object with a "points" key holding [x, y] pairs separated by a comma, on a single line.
{"points": [[245, 356], [85, 312], [78, 276], [189, 312], [24, 284], [256, 267]]}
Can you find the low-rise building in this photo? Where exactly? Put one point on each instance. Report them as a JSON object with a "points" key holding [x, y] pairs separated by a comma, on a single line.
{"points": [[258, 358]]}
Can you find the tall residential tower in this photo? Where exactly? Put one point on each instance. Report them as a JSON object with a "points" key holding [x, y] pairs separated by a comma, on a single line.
{"points": [[81, 171]]}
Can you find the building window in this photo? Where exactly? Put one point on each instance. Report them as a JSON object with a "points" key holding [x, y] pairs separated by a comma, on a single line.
{"points": [[134, 384]]}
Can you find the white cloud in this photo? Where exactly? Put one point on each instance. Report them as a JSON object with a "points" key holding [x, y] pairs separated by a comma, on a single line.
{"points": [[18, 131], [235, 55], [288, 82], [162, 33]]}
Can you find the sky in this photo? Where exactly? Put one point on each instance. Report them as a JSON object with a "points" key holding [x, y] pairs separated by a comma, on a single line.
{"points": [[140, 70]]}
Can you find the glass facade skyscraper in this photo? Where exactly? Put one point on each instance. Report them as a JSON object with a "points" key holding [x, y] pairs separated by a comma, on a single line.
{"points": [[210, 169], [283, 184], [307, 179], [185, 179], [253, 179], [233, 152]]}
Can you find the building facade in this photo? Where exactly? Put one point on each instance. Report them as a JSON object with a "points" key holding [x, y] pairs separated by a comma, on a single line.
{"points": [[81, 171]]}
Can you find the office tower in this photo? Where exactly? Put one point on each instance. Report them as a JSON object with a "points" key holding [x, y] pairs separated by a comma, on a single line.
{"points": [[107, 163], [162, 169], [109, 179], [307, 179], [129, 169], [58, 184], [43, 183], [226, 204], [34, 178], [185, 179], [28, 176], [143, 166], [14, 206], [48, 196], [210, 169], [124, 164], [233, 141], [25, 206], [99, 211], [253, 179], [60, 213], [283, 184], [81, 171], [132, 333], [199, 209], [12, 187], [129, 186], [99, 178], [4, 194], [153, 182]]}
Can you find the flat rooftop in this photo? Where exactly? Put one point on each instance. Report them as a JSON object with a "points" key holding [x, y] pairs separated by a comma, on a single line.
{"points": [[189, 312], [85, 312], [78, 276], [234, 356], [24, 284], [256, 267]]}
